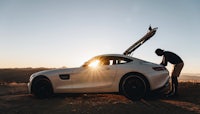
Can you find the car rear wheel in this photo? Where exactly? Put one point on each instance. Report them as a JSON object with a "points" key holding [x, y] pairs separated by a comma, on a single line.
{"points": [[133, 87], [42, 88]]}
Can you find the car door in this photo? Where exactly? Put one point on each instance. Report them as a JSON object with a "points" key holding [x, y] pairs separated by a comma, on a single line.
{"points": [[94, 78]]}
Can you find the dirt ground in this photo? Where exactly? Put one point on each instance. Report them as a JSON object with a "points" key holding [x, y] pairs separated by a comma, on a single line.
{"points": [[14, 99]]}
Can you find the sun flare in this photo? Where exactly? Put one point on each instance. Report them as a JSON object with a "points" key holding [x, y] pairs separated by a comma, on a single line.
{"points": [[94, 64]]}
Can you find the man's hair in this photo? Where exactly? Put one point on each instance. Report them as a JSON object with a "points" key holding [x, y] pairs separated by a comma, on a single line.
{"points": [[159, 52]]}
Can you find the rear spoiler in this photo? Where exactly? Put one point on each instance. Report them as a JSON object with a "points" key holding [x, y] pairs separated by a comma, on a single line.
{"points": [[146, 37]]}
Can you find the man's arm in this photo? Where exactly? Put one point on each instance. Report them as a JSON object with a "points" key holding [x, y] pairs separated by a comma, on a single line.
{"points": [[164, 61]]}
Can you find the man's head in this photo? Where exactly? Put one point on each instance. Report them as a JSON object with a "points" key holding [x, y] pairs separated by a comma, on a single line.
{"points": [[159, 52]]}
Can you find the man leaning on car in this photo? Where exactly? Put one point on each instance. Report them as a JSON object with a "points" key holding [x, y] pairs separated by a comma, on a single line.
{"points": [[178, 65]]}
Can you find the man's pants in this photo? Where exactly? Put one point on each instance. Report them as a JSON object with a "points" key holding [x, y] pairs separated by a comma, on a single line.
{"points": [[175, 74]]}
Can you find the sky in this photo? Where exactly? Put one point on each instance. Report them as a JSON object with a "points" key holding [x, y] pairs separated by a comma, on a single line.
{"points": [[58, 33]]}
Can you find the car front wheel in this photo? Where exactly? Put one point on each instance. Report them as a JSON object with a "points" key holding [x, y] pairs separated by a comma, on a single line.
{"points": [[42, 88]]}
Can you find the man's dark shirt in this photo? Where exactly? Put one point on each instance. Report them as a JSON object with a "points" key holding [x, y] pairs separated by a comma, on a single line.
{"points": [[170, 57]]}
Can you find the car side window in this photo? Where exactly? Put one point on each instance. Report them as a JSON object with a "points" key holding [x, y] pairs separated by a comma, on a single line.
{"points": [[116, 60], [121, 60], [108, 61], [105, 62], [112, 62]]}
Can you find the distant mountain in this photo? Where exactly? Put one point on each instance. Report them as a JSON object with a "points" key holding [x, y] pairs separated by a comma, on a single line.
{"points": [[190, 77]]}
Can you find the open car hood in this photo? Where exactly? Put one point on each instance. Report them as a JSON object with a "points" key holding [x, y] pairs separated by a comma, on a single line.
{"points": [[137, 44]]}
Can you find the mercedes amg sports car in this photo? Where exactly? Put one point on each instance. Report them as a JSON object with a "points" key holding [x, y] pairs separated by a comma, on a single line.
{"points": [[122, 73]]}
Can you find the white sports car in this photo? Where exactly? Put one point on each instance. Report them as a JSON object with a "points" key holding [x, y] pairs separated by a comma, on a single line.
{"points": [[122, 73]]}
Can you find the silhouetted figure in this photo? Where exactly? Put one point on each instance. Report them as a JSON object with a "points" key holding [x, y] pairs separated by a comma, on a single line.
{"points": [[178, 65], [150, 28]]}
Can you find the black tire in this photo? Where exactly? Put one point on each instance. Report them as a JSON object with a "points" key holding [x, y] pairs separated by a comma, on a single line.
{"points": [[134, 87], [42, 88]]}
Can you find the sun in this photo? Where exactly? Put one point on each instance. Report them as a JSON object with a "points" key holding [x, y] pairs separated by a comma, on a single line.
{"points": [[94, 63]]}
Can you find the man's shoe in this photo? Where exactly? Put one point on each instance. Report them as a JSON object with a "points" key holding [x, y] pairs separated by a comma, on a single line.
{"points": [[169, 94], [173, 96]]}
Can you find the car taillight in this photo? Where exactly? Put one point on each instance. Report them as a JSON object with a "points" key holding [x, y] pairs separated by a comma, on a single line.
{"points": [[159, 68]]}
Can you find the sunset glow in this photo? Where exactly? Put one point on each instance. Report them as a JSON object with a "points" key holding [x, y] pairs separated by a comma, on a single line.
{"points": [[94, 64], [53, 34]]}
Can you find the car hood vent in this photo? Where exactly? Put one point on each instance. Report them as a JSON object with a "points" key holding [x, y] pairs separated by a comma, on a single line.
{"points": [[64, 76]]}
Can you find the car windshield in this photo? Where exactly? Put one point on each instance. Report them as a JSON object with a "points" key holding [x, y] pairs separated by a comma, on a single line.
{"points": [[94, 62], [106, 60]]}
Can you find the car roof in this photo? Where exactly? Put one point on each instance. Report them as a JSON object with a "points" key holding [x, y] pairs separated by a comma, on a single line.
{"points": [[115, 55]]}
